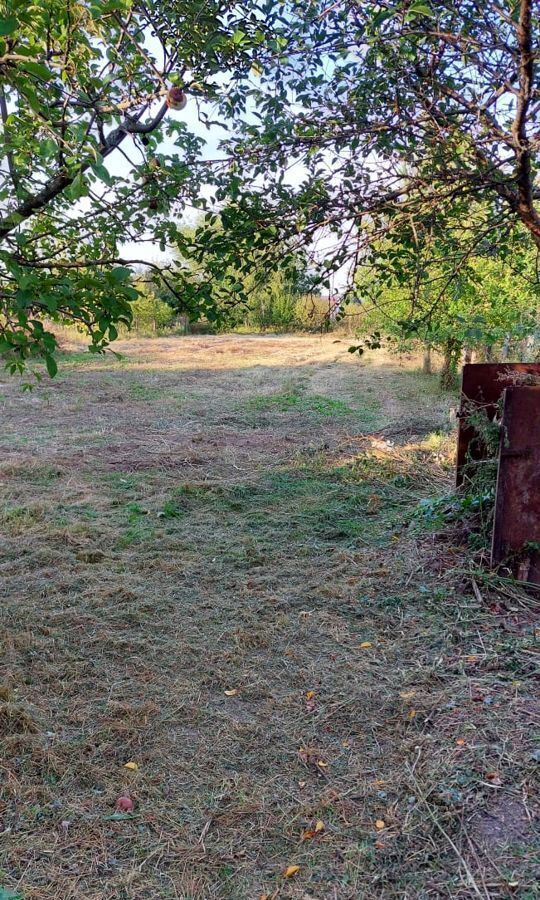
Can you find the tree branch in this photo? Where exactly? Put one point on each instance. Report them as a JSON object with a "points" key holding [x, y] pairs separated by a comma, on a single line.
{"points": [[60, 182], [524, 178], [9, 154]]}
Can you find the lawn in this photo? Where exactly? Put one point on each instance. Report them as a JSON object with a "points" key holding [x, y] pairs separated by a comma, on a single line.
{"points": [[215, 568]]}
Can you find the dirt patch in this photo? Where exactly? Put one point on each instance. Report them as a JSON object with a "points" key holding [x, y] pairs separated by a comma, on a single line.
{"points": [[507, 821]]}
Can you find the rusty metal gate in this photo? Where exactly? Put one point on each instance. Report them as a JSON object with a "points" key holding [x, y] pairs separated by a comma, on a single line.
{"points": [[516, 529]]}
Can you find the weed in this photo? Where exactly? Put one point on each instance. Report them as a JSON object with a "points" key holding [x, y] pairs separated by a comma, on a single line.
{"points": [[142, 390], [170, 510], [295, 397]]}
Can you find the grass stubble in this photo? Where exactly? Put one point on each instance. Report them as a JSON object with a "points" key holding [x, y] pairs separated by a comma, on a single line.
{"points": [[212, 567]]}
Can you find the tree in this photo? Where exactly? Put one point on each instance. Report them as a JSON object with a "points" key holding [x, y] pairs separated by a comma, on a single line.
{"points": [[374, 125], [82, 82], [493, 303], [256, 295], [150, 314]]}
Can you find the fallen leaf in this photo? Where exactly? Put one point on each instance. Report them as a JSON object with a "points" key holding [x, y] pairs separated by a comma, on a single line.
{"points": [[472, 659], [461, 742], [407, 695], [290, 871], [310, 695], [412, 713], [232, 693], [494, 778], [124, 804], [313, 832], [365, 645], [380, 824], [302, 784], [131, 765], [380, 845], [312, 757]]}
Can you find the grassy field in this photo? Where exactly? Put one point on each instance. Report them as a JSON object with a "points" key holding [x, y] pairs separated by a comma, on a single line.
{"points": [[213, 567]]}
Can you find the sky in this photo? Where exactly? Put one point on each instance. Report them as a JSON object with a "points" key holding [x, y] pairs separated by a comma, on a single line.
{"points": [[117, 165]]}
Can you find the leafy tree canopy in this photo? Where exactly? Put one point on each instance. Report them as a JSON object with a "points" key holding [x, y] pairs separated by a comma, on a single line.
{"points": [[361, 132], [79, 82], [374, 129]]}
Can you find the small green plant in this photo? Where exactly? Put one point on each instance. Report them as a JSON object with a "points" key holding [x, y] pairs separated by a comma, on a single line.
{"points": [[6, 894], [472, 504], [170, 510], [295, 397]]}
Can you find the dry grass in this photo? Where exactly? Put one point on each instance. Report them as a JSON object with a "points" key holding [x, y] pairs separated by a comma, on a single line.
{"points": [[196, 538]]}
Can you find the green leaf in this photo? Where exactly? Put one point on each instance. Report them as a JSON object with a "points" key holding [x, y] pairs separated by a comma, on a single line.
{"points": [[419, 9], [102, 172], [52, 369], [37, 69], [7, 25], [120, 273], [78, 188]]}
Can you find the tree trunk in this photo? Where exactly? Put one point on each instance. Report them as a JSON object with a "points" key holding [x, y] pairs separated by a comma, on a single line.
{"points": [[467, 356], [426, 361], [528, 348], [451, 352]]}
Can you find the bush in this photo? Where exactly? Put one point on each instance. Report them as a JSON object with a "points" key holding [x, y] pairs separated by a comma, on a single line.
{"points": [[151, 315]]}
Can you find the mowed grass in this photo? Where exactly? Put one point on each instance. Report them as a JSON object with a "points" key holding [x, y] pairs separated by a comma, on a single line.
{"points": [[214, 566]]}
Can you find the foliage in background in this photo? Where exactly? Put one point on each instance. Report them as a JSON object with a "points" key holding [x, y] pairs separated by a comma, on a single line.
{"points": [[489, 307], [277, 298], [150, 314]]}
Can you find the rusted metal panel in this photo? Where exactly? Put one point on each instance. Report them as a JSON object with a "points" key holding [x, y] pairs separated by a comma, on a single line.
{"points": [[483, 383], [517, 506]]}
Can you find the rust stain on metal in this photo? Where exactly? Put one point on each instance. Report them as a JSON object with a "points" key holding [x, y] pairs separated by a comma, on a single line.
{"points": [[483, 383], [517, 506]]}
